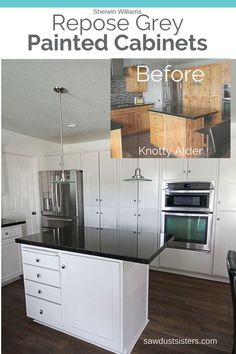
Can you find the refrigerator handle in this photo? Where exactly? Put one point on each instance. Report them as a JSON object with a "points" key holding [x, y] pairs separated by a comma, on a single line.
{"points": [[59, 197], [56, 196], [53, 197]]}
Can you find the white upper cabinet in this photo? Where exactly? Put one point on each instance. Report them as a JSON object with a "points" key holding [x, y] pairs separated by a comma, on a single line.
{"points": [[149, 191], [225, 240], [108, 180], [127, 190], [90, 167], [53, 162], [227, 185], [174, 169], [190, 169]]}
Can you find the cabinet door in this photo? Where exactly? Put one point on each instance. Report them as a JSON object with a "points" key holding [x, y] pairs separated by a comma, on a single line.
{"points": [[89, 165], [127, 219], [202, 169], [11, 259], [108, 218], [149, 190], [227, 185], [108, 177], [127, 191], [224, 240], [92, 216], [91, 299], [147, 220], [174, 169]]}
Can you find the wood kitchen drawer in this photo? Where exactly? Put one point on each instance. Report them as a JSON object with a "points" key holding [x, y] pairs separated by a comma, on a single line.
{"points": [[44, 311], [156, 140], [43, 291], [42, 275], [46, 260], [156, 131], [12, 231], [156, 121]]}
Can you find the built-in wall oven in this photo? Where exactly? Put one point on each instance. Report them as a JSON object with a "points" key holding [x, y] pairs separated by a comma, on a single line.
{"points": [[187, 209]]}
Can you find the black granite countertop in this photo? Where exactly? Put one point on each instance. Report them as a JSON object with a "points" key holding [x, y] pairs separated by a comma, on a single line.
{"points": [[12, 222], [116, 125], [182, 111], [109, 243], [122, 106]]}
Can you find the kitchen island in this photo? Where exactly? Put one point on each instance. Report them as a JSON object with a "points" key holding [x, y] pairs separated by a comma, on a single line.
{"points": [[173, 128], [91, 283]]}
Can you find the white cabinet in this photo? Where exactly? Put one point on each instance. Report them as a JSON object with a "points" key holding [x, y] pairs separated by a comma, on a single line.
{"points": [[190, 169], [90, 167], [147, 220], [53, 161], [11, 256], [227, 185], [128, 219], [149, 190], [100, 300], [225, 239], [91, 299], [127, 190], [100, 189]]}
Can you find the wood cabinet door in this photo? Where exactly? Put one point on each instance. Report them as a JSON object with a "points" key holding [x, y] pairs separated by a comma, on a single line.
{"points": [[143, 121], [226, 73], [132, 84], [91, 299]]}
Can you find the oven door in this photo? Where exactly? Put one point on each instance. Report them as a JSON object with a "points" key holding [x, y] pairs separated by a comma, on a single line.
{"points": [[191, 231], [188, 201]]}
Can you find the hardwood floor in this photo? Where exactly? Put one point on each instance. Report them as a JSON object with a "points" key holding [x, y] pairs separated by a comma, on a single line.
{"points": [[179, 307]]}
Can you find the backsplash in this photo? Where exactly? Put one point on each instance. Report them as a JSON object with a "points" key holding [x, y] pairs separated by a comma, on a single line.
{"points": [[118, 92]]}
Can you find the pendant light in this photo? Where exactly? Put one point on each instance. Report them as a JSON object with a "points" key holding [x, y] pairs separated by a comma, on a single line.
{"points": [[137, 177], [63, 179]]}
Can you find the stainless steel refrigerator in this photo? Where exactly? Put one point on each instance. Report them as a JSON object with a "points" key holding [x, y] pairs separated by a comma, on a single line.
{"points": [[172, 93], [61, 203]]}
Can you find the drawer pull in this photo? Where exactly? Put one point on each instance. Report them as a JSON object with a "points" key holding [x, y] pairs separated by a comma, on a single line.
{"points": [[41, 312], [38, 275], [37, 260], [39, 291]]}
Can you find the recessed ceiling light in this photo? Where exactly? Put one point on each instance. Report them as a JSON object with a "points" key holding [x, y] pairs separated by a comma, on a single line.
{"points": [[71, 125]]}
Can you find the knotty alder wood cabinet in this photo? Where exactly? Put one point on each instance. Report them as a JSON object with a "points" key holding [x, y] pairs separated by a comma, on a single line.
{"points": [[134, 119], [132, 84], [176, 134]]}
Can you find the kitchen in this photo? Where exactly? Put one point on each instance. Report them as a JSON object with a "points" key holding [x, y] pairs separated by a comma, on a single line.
{"points": [[181, 107], [185, 283]]}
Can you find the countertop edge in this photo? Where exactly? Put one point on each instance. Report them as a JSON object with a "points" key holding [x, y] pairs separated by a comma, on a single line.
{"points": [[13, 223], [181, 116]]}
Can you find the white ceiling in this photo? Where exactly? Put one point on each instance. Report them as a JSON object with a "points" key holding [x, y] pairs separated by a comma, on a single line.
{"points": [[29, 105]]}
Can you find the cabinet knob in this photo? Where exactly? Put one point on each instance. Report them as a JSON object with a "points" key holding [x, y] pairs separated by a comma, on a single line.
{"points": [[184, 171], [189, 171], [96, 199], [96, 212], [41, 312], [139, 201], [135, 200], [135, 214], [6, 233], [100, 200], [39, 291], [218, 218], [101, 212], [37, 260], [63, 266], [219, 202], [38, 275], [139, 214]]}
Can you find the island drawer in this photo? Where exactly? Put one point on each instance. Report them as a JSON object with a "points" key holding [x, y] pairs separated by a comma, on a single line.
{"points": [[46, 260], [11, 231], [157, 140], [156, 121], [43, 291], [44, 311], [42, 275]]}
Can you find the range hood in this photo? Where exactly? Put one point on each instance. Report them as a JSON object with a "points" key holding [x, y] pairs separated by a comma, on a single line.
{"points": [[137, 177]]}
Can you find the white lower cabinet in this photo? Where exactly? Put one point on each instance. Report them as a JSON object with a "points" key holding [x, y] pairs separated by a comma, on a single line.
{"points": [[186, 260], [225, 239], [91, 303], [11, 256], [100, 300]]}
